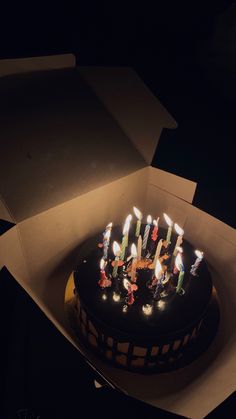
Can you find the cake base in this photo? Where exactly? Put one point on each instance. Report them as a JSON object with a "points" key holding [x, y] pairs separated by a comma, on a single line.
{"points": [[190, 353]]}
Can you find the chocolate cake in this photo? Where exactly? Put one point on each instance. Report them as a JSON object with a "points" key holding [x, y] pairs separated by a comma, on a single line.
{"points": [[133, 315]]}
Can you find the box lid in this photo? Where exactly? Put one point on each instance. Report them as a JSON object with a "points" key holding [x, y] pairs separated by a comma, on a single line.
{"points": [[66, 131]]}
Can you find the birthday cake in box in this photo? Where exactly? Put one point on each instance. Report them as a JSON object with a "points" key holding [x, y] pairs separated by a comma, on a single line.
{"points": [[143, 296]]}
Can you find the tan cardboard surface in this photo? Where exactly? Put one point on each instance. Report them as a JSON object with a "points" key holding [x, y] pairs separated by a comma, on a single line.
{"points": [[139, 113], [23, 65], [77, 143], [173, 184]]}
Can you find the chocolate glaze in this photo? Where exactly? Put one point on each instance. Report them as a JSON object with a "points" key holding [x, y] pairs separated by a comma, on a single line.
{"points": [[172, 317]]}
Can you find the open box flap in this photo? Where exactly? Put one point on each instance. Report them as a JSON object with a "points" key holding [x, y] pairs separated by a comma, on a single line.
{"points": [[58, 141], [139, 113]]}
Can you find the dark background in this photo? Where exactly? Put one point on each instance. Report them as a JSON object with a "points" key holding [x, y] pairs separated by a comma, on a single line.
{"points": [[186, 53]]}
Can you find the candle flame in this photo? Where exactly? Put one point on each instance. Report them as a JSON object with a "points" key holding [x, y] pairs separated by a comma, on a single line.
{"points": [[102, 264], [158, 269], [137, 213], [126, 283], [149, 219], [127, 224], [179, 249], [116, 249], [168, 220], [109, 226], [133, 251], [155, 222], [178, 262], [107, 235], [179, 230], [199, 254]]}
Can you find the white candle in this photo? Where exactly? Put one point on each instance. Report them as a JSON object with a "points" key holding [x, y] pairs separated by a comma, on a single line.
{"points": [[139, 217], [179, 240], [158, 251], [170, 226], [139, 248], [146, 232], [197, 262], [134, 262]]}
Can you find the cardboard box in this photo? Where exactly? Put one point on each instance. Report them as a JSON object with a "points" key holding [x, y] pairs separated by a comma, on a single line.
{"points": [[77, 144]]}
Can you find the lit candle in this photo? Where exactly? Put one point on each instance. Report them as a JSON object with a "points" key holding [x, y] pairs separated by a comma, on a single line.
{"points": [[197, 262], [139, 218], [170, 226], [155, 230], [179, 240], [139, 248], [158, 251], [125, 237], [159, 277], [180, 266], [179, 250], [104, 281], [117, 252], [130, 288], [146, 232], [106, 239], [134, 262]]}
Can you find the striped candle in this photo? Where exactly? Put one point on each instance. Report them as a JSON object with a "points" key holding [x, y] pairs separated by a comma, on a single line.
{"points": [[146, 232]]}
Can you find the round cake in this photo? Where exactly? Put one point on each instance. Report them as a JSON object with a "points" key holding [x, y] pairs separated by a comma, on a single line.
{"points": [[141, 302]]}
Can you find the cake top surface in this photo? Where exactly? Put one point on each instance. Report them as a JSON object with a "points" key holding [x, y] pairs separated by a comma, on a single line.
{"points": [[148, 302]]}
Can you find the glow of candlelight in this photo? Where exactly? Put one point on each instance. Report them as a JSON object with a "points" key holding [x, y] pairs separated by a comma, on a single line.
{"points": [[168, 220], [179, 263], [102, 264], [104, 297], [126, 283], [127, 225], [116, 249], [147, 309], [199, 254], [107, 235], [133, 251], [116, 297], [149, 219], [109, 226], [137, 213], [179, 230], [161, 305], [158, 269]]}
